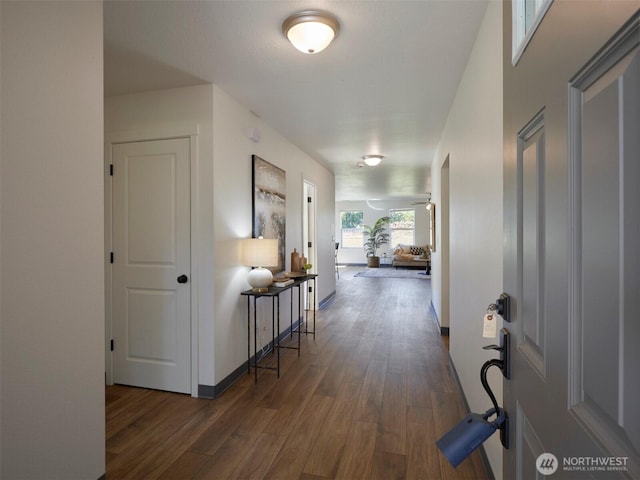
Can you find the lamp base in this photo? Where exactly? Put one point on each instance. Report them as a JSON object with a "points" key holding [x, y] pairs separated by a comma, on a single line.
{"points": [[260, 279]]}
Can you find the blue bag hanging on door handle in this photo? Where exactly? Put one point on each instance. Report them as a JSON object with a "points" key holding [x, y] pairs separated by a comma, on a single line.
{"points": [[469, 434]]}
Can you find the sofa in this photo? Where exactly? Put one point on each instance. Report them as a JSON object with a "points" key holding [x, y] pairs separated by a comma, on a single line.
{"points": [[412, 256]]}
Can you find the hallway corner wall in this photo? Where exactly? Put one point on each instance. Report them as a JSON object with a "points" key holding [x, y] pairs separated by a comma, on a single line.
{"points": [[472, 142], [52, 260]]}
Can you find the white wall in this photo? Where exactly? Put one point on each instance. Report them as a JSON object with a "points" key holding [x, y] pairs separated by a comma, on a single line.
{"points": [[357, 255], [223, 212], [473, 140], [52, 257], [232, 213]]}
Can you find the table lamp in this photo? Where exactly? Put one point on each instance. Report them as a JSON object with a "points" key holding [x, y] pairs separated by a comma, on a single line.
{"points": [[260, 253]]}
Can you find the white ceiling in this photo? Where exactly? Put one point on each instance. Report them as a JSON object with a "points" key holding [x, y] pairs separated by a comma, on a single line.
{"points": [[384, 86]]}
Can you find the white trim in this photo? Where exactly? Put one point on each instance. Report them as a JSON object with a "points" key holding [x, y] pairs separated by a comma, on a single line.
{"points": [[306, 186], [520, 40], [161, 132], [195, 264], [108, 269]]}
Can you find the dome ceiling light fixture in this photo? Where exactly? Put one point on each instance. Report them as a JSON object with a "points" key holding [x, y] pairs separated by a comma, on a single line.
{"points": [[310, 31], [372, 160]]}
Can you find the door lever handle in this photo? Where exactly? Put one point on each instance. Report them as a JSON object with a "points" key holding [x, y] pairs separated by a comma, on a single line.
{"points": [[504, 362], [493, 347]]}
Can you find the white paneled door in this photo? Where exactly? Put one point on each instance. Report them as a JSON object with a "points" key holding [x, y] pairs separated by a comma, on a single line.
{"points": [[572, 232], [151, 264]]}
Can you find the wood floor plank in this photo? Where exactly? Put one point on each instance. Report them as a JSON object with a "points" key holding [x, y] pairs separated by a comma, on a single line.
{"points": [[292, 409], [356, 367], [231, 453], [308, 476], [161, 417], [388, 466], [440, 373], [422, 456], [223, 426], [358, 451], [370, 400], [161, 458], [324, 458], [185, 466], [134, 456], [290, 461], [420, 415], [131, 410], [119, 399], [336, 373], [259, 457], [418, 387], [392, 424]]}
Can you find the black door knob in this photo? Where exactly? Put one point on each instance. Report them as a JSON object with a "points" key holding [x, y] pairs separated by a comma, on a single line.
{"points": [[183, 279]]}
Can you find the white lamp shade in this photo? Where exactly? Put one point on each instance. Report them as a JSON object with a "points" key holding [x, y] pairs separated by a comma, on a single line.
{"points": [[260, 252]]}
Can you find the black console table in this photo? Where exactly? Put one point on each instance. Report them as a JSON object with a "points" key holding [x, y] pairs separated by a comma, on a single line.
{"points": [[274, 294]]}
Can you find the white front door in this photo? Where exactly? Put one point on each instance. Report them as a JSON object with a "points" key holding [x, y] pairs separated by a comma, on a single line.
{"points": [[572, 234], [151, 264]]}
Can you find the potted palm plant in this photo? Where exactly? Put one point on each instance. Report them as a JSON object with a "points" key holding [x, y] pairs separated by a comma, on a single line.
{"points": [[375, 237]]}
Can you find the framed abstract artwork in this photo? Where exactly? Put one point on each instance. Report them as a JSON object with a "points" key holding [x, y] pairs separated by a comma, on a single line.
{"points": [[270, 205]]}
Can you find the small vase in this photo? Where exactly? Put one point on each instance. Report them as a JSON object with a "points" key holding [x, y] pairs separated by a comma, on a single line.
{"points": [[295, 261]]}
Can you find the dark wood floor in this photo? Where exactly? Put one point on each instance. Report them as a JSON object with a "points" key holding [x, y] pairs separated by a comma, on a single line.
{"points": [[366, 400]]}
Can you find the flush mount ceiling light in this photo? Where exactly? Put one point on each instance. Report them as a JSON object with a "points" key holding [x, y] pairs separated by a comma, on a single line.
{"points": [[372, 160], [310, 31]]}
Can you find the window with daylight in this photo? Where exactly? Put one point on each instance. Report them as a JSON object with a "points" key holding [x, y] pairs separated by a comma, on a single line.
{"points": [[351, 229], [526, 15], [402, 226]]}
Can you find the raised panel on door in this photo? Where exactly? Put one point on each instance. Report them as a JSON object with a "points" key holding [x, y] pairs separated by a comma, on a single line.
{"points": [[151, 318], [605, 172], [151, 238], [531, 161], [151, 204]]}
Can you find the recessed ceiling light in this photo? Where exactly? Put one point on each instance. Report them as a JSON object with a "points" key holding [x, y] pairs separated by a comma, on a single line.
{"points": [[310, 31], [372, 160]]}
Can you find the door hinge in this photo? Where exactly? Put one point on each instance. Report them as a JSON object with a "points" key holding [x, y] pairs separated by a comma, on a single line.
{"points": [[111, 169], [308, 199], [309, 244], [112, 344], [310, 289], [111, 257]]}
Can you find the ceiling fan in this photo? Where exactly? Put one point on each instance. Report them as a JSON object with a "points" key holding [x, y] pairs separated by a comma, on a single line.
{"points": [[428, 200]]}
